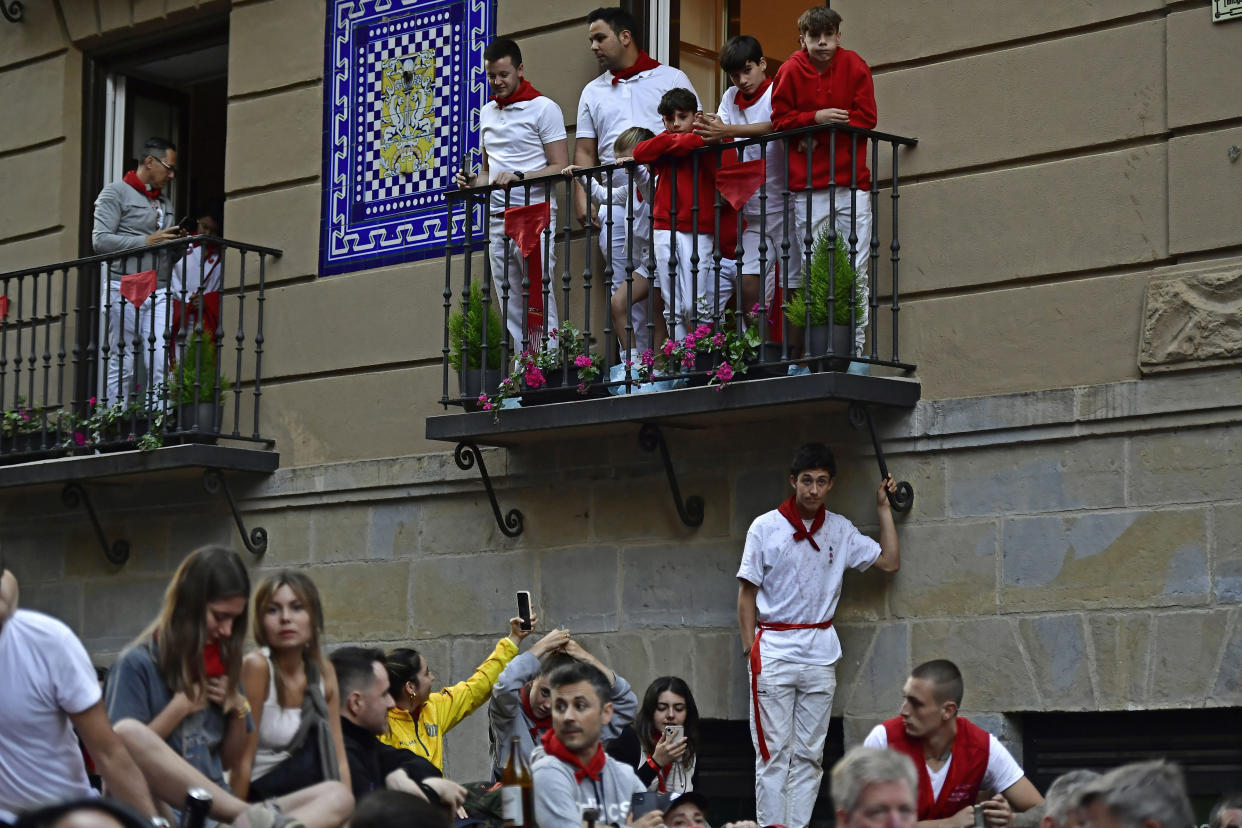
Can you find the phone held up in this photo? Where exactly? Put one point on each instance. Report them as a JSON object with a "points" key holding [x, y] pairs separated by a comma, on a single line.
{"points": [[523, 603]]}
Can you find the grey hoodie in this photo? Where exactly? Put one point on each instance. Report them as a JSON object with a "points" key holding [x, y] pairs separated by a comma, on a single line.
{"points": [[560, 800], [506, 717]]}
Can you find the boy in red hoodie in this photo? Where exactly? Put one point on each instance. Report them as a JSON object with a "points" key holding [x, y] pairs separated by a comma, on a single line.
{"points": [[693, 293], [822, 83]]}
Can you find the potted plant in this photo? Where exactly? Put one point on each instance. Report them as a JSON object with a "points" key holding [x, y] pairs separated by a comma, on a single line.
{"points": [[196, 385], [466, 327], [832, 276], [120, 426], [22, 432]]}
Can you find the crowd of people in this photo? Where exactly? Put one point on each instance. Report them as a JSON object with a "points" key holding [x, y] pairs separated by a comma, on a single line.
{"points": [[282, 733], [683, 239]]}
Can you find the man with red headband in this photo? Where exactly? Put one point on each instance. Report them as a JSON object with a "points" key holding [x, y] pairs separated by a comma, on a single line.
{"points": [[956, 759], [575, 781], [790, 582], [522, 132]]}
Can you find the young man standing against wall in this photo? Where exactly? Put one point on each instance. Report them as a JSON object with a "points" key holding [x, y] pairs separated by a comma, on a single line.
{"points": [[790, 582]]}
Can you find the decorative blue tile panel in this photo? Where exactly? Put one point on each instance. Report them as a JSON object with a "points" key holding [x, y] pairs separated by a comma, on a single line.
{"points": [[403, 85]]}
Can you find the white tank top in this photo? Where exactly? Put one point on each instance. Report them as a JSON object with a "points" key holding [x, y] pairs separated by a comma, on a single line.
{"points": [[277, 726]]}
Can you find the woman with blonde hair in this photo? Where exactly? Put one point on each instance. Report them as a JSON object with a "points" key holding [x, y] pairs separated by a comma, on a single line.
{"points": [[293, 694], [173, 697]]}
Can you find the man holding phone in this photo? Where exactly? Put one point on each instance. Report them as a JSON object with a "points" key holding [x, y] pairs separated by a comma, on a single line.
{"points": [[131, 214]]}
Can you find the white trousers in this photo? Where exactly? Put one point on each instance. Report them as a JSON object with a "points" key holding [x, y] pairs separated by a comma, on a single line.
{"points": [[689, 291], [848, 203], [617, 253], [124, 322], [511, 270], [795, 701]]}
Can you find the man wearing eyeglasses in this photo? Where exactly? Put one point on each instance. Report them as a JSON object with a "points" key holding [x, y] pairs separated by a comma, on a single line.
{"points": [[131, 214]]}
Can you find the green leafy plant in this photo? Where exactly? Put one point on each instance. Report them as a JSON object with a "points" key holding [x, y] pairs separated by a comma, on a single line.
{"points": [[120, 422], [195, 378], [843, 286], [466, 333]]}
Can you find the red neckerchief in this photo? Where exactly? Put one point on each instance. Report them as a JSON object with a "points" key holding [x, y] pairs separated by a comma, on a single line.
{"points": [[554, 747], [743, 101], [131, 178], [524, 92], [789, 510], [644, 62], [213, 666], [543, 725]]}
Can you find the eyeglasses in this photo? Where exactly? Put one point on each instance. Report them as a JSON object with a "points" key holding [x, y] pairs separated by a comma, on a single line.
{"points": [[172, 168]]}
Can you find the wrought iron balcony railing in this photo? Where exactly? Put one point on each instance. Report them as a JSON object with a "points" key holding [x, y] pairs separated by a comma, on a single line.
{"points": [[153, 346], [677, 311]]}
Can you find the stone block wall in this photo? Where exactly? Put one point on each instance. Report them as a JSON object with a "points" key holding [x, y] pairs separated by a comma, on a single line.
{"points": [[1073, 550]]}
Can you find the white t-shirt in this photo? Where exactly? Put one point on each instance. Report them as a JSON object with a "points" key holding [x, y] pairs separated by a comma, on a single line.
{"points": [[1001, 773], [45, 674], [758, 112], [799, 585], [606, 110], [514, 140]]}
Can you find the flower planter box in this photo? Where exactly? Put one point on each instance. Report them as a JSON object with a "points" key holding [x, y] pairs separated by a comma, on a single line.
{"points": [[24, 447], [556, 389]]}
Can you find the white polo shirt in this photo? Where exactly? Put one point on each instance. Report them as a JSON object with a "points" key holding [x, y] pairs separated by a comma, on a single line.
{"points": [[758, 112], [514, 140], [800, 585], [606, 110]]}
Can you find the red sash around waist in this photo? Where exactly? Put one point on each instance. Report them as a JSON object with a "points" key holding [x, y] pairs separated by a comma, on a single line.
{"points": [[756, 667]]}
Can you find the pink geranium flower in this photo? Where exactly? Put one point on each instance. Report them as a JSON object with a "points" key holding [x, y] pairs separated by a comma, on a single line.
{"points": [[534, 377], [582, 361]]}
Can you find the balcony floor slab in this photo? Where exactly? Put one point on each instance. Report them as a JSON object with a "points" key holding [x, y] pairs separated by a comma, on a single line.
{"points": [[165, 461], [750, 400]]}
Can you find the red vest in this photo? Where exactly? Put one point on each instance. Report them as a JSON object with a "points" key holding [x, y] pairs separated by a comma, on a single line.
{"points": [[961, 786]]}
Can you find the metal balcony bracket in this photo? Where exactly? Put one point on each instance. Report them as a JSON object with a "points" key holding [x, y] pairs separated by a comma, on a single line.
{"points": [[73, 496], [860, 418], [650, 438], [256, 540], [466, 455], [13, 10]]}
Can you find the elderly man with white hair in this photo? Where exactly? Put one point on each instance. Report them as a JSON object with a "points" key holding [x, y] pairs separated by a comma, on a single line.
{"points": [[873, 787], [1139, 795]]}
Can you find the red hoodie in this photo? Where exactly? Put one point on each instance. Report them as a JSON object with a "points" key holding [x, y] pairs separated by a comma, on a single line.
{"points": [[668, 145], [800, 90]]}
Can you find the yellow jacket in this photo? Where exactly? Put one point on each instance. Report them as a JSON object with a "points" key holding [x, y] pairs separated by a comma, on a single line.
{"points": [[424, 734]]}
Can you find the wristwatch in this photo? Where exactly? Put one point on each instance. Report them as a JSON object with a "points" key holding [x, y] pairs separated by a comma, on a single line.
{"points": [[521, 176]]}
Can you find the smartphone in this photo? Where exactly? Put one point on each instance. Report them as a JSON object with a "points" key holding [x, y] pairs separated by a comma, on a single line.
{"points": [[648, 801], [673, 732], [523, 601], [188, 225]]}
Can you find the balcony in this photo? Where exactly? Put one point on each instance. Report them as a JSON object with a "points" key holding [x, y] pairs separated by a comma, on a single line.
{"points": [[147, 362], [566, 368]]}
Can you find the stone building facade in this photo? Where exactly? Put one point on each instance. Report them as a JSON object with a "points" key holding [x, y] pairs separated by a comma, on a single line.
{"points": [[1071, 289]]}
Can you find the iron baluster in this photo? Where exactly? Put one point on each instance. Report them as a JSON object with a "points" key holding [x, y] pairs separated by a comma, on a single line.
{"points": [[895, 246], [448, 299], [873, 258]]}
